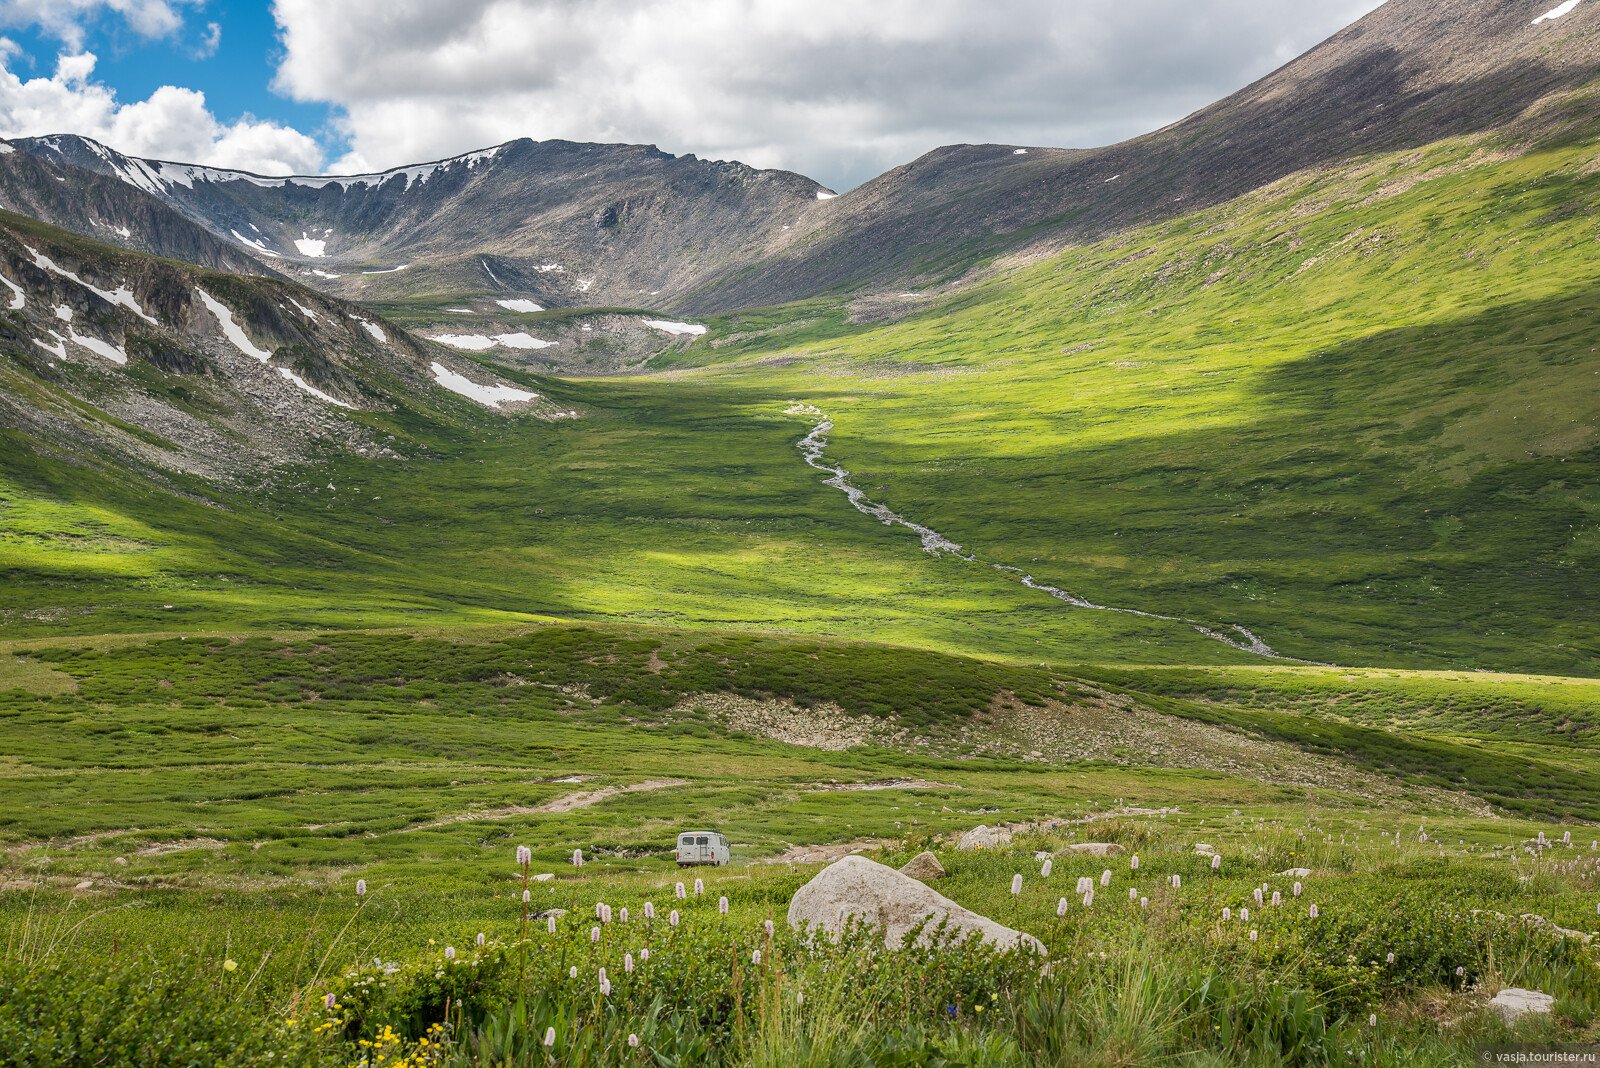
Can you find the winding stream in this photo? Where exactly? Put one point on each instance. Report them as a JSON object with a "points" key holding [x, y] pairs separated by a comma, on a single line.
{"points": [[815, 444]]}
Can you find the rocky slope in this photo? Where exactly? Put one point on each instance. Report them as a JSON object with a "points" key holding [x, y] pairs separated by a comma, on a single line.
{"points": [[160, 366], [547, 223], [1410, 73]]}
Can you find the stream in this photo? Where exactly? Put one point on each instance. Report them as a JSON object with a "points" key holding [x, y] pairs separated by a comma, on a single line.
{"points": [[815, 444]]}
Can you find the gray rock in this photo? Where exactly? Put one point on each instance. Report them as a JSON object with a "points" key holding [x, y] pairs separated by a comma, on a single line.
{"points": [[1095, 849], [1295, 873], [984, 837], [858, 889], [923, 866], [1513, 1003]]}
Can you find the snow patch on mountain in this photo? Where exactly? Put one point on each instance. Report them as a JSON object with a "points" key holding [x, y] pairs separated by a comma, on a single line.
{"points": [[520, 305], [255, 243], [122, 295], [481, 342], [303, 310], [312, 247], [1560, 11], [488, 396], [230, 329], [19, 299], [823, 194], [388, 270], [693, 329], [372, 328], [309, 388], [114, 353]]}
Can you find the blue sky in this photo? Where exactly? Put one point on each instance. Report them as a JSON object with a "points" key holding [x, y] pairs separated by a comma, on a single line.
{"points": [[840, 90]]}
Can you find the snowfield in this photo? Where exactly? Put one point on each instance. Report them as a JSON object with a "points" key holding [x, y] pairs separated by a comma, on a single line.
{"points": [[527, 307], [372, 328], [258, 245], [481, 342], [230, 329], [1557, 12], [488, 396], [694, 329], [314, 247], [19, 300], [309, 388]]}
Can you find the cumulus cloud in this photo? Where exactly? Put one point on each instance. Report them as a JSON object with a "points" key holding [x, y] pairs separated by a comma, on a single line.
{"points": [[67, 19], [172, 123], [838, 89]]}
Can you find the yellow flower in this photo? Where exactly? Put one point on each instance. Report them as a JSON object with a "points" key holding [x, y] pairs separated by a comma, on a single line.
{"points": [[977, 1008], [230, 965]]}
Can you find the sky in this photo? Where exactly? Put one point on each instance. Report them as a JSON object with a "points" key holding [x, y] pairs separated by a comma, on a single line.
{"points": [[840, 90]]}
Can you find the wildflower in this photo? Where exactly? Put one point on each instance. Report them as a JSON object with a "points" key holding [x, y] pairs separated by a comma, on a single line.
{"points": [[649, 910], [572, 972], [605, 988], [1315, 912], [978, 1007], [549, 1037], [699, 887], [1372, 1020], [644, 954], [722, 905], [769, 927], [329, 1002], [1244, 915], [1277, 899], [627, 963], [1105, 877], [230, 965], [1259, 896], [480, 938], [1016, 884], [623, 914], [1216, 861], [1254, 934], [799, 999], [1084, 883], [1061, 907], [1049, 866], [550, 924], [1144, 902], [1298, 888], [1088, 899], [1227, 914], [1134, 862], [1389, 959], [577, 858], [524, 855], [594, 934], [755, 957], [527, 896], [449, 952], [679, 891], [633, 1041], [672, 917], [361, 887], [1177, 882], [1461, 971]]}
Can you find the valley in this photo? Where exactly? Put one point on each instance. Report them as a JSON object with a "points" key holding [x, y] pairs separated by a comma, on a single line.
{"points": [[359, 532]]}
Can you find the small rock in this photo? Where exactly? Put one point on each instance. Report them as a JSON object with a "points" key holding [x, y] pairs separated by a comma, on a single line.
{"points": [[121, 862], [924, 866], [858, 889], [984, 837], [1043, 855], [1095, 849], [1513, 1003], [547, 913], [544, 877], [1205, 849], [1295, 873], [87, 884]]}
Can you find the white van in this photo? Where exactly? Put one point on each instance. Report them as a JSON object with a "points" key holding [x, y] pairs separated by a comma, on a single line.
{"points": [[702, 847]]}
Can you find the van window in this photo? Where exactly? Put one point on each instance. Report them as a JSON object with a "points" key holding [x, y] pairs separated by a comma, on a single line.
{"points": [[686, 839], [702, 840]]}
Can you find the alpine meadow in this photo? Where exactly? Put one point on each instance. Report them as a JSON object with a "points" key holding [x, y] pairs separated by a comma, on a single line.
{"points": [[1121, 606]]}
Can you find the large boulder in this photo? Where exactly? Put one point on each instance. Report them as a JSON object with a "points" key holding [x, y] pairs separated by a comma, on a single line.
{"points": [[923, 866], [862, 890], [1095, 849], [984, 837], [1513, 1003]]}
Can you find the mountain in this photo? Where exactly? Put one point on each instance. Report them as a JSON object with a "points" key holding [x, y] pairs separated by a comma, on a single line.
{"points": [[1408, 74], [159, 366], [47, 186], [551, 222]]}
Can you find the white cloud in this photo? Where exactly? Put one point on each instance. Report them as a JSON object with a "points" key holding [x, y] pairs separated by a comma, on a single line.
{"points": [[67, 19], [209, 42], [171, 123], [838, 89]]}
